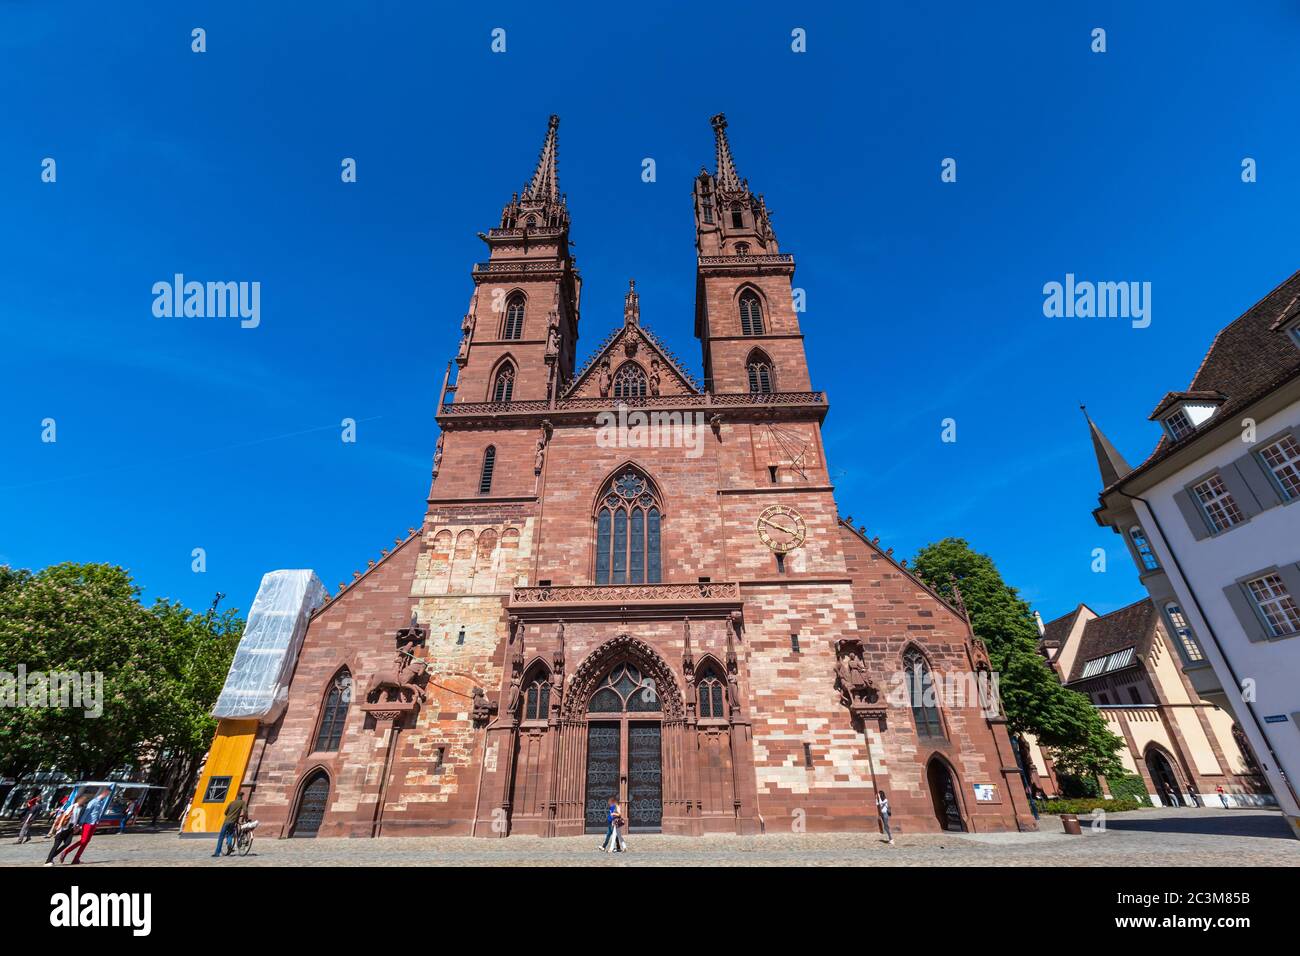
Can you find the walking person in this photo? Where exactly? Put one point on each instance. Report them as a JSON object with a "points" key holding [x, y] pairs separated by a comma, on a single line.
{"points": [[1192, 796], [882, 808], [230, 826], [610, 810], [1171, 798], [65, 826], [90, 817], [30, 812], [1223, 795]]}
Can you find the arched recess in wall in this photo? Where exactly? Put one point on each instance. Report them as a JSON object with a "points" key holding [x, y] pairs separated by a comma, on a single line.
{"points": [[508, 560]]}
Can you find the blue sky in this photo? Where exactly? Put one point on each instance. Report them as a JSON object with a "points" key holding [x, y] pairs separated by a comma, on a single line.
{"points": [[924, 298]]}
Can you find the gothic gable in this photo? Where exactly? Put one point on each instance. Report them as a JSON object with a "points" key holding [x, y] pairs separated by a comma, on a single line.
{"points": [[632, 349]]}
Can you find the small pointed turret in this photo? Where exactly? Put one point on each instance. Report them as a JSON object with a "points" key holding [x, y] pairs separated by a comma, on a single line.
{"points": [[631, 305], [1110, 462]]}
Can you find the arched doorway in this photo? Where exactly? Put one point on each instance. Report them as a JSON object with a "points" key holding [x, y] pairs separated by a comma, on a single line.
{"points": [[311, 805], [625, 749], [1163, 777], [943, 793]]}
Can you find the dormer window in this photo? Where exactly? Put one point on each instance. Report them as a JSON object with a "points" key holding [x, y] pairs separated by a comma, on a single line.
{"points": [[1182, 413], [1179, 425], [1293, 330]]}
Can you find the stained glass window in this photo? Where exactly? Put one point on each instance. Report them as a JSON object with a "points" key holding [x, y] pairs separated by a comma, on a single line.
{"points": [[625, 688], [335, 712], [628, 525], [920, 689]]}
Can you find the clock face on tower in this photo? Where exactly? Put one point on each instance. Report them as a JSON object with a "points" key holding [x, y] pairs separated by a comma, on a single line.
{"points": [[781, 529]]}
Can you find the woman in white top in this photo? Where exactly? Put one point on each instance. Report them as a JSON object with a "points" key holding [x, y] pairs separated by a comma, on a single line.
{"points": [[882, 807]]}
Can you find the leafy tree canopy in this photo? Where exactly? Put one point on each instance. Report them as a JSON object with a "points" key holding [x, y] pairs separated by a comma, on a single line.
{"points": [[1063, 721]]}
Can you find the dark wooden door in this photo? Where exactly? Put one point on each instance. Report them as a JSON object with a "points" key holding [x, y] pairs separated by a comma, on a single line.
{"points": [[645, 807], [311, 809], [603, 766]]}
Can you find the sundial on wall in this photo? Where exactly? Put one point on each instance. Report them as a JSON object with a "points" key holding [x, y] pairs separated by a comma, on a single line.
{"points": [[792, 446], [782, 529]]}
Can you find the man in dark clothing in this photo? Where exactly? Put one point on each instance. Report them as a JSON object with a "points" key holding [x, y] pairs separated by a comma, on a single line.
{"points": [[234, 815]]}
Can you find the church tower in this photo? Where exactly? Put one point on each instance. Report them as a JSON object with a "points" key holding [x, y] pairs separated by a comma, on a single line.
{"points": [[520, 331], [745, 314]]}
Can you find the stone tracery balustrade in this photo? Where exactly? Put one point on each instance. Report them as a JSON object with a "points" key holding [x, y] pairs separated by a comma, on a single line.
{"points": [[626, 593], [765, 258], [739, 399]]}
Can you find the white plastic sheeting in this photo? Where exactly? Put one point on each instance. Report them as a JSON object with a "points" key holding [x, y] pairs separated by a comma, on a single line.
{"points": [[258, 682]]}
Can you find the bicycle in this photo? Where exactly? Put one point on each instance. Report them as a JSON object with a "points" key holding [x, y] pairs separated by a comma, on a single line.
{"points": [[243, 838]]}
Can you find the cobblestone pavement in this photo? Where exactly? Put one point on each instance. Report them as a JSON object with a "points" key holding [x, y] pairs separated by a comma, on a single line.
{"points": [[1176, 837]]}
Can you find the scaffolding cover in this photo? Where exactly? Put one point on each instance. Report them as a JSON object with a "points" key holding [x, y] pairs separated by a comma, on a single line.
{"points": [[258, 682]]}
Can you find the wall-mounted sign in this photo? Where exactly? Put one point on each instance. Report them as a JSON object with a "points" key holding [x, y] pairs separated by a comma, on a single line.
{"points": [[1275, 718], [986, 792]]}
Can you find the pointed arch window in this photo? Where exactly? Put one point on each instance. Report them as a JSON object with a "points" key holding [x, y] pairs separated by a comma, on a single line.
{"points": [[921, 693], [625, 688], [761, 378], [504, 385], [485, 475], [335, 713], [537, 697], [751, 311], [629, 381], [629, 522], [512, 325], [711, 695]]}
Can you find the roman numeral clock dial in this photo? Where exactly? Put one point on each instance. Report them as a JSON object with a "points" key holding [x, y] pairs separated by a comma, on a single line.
{"points": [[782, 529]]}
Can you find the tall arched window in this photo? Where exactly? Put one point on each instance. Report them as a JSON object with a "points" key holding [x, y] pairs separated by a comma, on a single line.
{"points": [[711, 694], [335, 712], [537, 695], [489, 465], [751, 313], [921, 694], [1183, 633], [512, 324], [504, 385], [629, 520], [761, 378], [1143, 548], [737, 215], [629, 381]]}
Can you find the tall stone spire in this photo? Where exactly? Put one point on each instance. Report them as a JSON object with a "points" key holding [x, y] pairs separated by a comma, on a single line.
{"points": [[1110, 462], [545, 184], [727, 177]]}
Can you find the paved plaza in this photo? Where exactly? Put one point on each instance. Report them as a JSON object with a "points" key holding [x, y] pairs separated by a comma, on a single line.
{"points": [[1143, 838]]}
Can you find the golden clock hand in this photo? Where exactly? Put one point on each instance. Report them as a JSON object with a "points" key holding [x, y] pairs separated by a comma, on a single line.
{"points": [[779, 527]]}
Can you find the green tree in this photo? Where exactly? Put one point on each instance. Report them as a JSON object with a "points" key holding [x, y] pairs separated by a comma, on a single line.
{"points": [[161, 669], [1063, 721]]}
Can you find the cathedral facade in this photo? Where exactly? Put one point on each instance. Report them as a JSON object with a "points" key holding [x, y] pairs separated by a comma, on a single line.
{"points": [[629, 583]]}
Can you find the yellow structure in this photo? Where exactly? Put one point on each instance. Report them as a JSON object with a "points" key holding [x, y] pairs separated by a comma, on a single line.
{"points": [[226, 765]]}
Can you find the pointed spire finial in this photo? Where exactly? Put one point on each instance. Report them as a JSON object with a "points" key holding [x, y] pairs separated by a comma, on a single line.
{"points": [[631, 305], [1110, 462], [545, 184], [728, 178]]}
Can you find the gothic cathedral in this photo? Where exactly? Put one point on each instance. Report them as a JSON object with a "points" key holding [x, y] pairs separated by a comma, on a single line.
{"points": [[630, 583]]}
